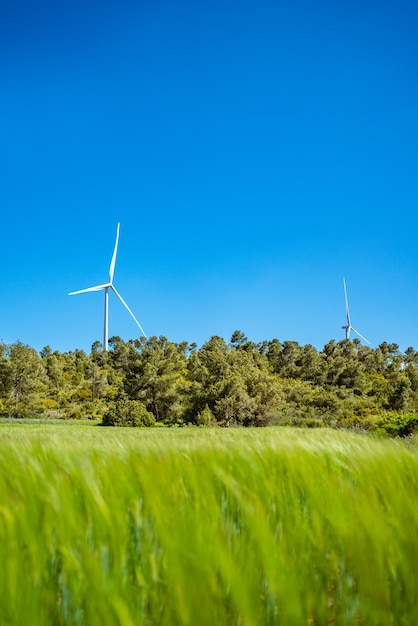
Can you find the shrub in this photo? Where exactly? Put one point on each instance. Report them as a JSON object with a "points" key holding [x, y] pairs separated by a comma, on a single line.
{"points": [[206, 417], [73, 412], [357, 422], [125, 412], [313, 423], [397, 425]]}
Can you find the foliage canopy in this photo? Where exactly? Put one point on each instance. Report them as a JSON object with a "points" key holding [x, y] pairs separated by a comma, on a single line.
{"points": [[240, 383]]}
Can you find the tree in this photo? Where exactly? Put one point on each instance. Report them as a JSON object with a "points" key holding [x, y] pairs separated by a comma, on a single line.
{"points": [[399, 392], [234, 383], [157, 377], [206, 417], [98, 377], [310, 365], [22, 380]]}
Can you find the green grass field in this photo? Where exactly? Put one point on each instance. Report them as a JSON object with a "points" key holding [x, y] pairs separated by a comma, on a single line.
{"points": [[206, 526]]}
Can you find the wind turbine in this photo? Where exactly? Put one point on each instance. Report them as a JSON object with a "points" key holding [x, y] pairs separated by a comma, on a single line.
{"points": [[105, 287], [348, 327]]}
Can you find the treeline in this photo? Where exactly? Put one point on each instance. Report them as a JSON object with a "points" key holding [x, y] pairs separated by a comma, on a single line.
{"points": [[156, 381]]}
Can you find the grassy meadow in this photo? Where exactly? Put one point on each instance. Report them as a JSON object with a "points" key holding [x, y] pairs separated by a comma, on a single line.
{"points": [[242, 527]]}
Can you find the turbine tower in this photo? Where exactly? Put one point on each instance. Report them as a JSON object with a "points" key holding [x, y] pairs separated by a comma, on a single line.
{"points": [[105, 287], [348, 327]]}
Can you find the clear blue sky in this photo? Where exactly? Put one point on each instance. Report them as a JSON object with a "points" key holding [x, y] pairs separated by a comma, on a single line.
{"points": [[254, 152]]}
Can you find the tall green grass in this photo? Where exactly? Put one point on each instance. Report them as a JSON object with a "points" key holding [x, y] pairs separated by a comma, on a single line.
{"points": [[193, 526]]}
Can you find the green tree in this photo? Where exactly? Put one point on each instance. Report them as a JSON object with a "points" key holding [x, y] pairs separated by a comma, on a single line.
{"points": [[235, 383], [399, 392], [22, 381], [157, 376], [206, 417]]}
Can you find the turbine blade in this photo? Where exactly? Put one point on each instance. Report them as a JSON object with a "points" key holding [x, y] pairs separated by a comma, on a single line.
{"points": [[347, 312], [96, 288], [125, 305], [357, 333], [113, 261]]}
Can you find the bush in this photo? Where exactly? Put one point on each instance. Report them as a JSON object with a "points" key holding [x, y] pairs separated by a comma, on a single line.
{"points": [[206, 417], [313, 423], [397, 425], [128, 413], [357, 422], [73, 412]]}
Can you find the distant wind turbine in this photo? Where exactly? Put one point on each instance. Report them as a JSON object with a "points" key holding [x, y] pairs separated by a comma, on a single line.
{"points": [[348, 327], [106, 287]]}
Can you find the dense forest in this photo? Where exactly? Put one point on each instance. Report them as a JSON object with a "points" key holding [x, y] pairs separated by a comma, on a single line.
{"points": [[143, 382]]}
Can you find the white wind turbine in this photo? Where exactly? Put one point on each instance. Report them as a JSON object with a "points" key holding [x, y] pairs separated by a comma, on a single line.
{"points": [[348, 327], [106, 287]]}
